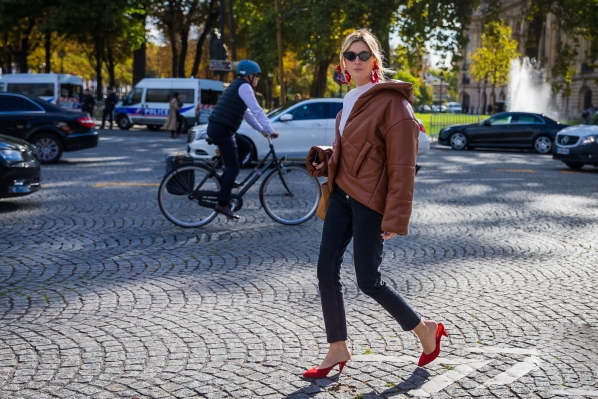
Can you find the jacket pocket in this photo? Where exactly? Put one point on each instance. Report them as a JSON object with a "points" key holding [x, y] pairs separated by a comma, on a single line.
{"points": [[361, 158]]}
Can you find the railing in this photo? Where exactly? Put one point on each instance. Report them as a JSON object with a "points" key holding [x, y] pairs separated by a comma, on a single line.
{"points": [[442, 120]]}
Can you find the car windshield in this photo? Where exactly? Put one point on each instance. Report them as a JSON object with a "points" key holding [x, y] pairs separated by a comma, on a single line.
{"points": [[277, 111]]}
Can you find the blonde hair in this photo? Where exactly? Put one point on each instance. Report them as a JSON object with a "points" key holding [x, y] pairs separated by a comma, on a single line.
{"points": [[363, 35]]}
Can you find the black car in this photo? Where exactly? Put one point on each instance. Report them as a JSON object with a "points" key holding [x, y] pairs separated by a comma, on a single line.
{"points": [[19, 169], [504, 130], [50, 128]]}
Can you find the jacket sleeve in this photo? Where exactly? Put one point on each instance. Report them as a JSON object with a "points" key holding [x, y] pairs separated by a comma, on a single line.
{"points": [[324, 155], [401, 153]]}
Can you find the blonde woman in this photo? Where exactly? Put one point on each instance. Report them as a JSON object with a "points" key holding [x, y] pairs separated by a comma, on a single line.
{"points": [[371, 173]]}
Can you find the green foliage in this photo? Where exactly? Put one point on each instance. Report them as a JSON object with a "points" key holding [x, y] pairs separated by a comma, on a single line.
{"points": [[565, 69]]}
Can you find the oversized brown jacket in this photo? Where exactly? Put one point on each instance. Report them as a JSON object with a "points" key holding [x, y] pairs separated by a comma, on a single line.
{"points": [[374, 160]]}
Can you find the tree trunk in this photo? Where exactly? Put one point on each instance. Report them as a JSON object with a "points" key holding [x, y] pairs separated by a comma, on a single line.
{"points": [[21, 56], [175, 53], [99, 56], [210, 20], [183, 55], [139, 62], [48, 48], [111, 67], [318, 88]]}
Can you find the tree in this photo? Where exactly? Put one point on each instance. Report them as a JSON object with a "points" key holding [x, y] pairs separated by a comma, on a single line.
{"points": [[493, 59], [564, 69]]}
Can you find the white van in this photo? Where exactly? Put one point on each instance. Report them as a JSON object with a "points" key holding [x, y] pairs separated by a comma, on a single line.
{"points": [[61, 89], [149, 102]]}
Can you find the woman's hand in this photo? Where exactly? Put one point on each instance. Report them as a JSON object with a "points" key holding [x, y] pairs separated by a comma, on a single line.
{"points": [[388, 236], [318, 166]]}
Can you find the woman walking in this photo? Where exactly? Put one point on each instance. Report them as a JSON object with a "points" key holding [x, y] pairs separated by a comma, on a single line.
{"points": [[171, 123], [371, 171]]}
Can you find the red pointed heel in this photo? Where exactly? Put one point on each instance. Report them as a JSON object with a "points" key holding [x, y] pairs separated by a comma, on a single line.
{"points": [[429, 358], [314, 373]]}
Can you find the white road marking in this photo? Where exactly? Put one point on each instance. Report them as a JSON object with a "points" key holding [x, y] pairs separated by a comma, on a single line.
{"points": [[410, 359], [514, 372], [495, 349], [458, 180], [442, 381], [574, 392]]}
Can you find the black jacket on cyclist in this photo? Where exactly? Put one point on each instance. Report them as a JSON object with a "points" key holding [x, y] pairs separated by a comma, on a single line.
{"points": [[230, 108]]}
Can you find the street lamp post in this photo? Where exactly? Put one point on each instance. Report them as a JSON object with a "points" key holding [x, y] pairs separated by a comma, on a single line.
{"points": [[441, 84], [61, 55]]}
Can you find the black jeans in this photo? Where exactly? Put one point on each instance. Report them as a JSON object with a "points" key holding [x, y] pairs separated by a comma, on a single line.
{"points": [[348, 219], [233, 147], [109, 113]]}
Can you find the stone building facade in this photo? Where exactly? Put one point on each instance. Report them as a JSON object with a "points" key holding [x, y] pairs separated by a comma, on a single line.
{"points": [[475, 96]]}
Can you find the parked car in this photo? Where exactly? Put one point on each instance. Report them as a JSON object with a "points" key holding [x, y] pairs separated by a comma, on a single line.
{"points": [[522, 130], [454, 108], [149, 103], [301, 125], [439, 108], [51, 129], [577, 146], [19, 168]]}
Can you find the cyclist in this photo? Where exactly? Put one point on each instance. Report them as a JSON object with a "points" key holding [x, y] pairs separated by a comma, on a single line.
{"points": [[238, 102]]}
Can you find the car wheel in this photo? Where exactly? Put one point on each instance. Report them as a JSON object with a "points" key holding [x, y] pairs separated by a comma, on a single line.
{"points": [[458, 141], [543, 145], [123, 122], [249, 159], [49, 147], [574, 165], [153, 128]]}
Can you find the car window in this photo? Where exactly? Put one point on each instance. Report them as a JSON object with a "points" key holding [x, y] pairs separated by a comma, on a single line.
{"points": [[135, 96], [308, 111], [500, 120], [210, 97], [34, 89], [333, 109], [158, 96], [186, 95], [17, 104], [525, 119]]}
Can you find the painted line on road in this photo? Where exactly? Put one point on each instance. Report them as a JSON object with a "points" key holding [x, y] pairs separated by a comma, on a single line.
{"points": [[124, 184], [574, 392], [516, 170], [410, 359], [496, 349], [442, 381], [437, 180], [515, 372]]}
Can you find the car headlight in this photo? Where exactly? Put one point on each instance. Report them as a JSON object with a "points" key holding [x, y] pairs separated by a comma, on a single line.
{"points": [[202, 136], [589, 140], [17, 159]]}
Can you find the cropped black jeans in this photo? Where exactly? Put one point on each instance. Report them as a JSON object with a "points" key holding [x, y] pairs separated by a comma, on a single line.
{"points": [[348, 219]]}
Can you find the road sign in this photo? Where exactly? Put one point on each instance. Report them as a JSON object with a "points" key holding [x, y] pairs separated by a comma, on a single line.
{"points": [[221, 65]]}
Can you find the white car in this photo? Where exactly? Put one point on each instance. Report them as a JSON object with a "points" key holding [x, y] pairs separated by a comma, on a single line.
{"points": [[577, 146], [454, 108], [301, 125]]}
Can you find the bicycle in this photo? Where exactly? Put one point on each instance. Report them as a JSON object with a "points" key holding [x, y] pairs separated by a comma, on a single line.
{"points": [[288, 193]]}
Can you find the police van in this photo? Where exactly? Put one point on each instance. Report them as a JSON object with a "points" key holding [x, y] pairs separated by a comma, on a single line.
{"points": [[63, 90], [149, 102]]}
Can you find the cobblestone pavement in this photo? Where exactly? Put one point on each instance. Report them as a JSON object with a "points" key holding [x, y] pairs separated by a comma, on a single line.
{"points": [[102, 297]]}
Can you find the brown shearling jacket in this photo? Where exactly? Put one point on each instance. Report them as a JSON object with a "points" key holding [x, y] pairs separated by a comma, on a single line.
{"points": [[374, 160]]}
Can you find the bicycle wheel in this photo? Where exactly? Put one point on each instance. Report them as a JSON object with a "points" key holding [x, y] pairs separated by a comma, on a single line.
{"points": [[290, 196], [174, 196]]}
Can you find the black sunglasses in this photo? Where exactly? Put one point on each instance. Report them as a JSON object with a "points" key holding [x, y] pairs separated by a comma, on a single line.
{"points": [[364, 55]]}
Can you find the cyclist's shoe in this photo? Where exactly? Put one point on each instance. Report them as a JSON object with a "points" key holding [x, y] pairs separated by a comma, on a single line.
{"points": [[225, 210], [417, 168], [236, 184]]}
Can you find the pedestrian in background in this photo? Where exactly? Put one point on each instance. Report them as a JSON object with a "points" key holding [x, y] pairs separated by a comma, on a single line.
{"points": [[371, 172], [171, 123], [109, 104], [88, 102]]}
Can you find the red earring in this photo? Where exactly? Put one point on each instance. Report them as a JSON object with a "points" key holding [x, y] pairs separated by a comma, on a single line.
{"points": [[343, 77], [374, 78]]}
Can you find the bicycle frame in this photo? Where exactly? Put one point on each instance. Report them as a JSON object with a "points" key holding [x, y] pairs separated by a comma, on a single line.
{"points": [[255, 174]]}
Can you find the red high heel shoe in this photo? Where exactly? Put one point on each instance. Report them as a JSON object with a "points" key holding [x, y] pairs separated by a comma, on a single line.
{"points": [[425, 359], [315, 373]]}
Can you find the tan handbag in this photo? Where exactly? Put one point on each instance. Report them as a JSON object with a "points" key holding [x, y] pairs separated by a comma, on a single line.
{"points": [[324, 200]]}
